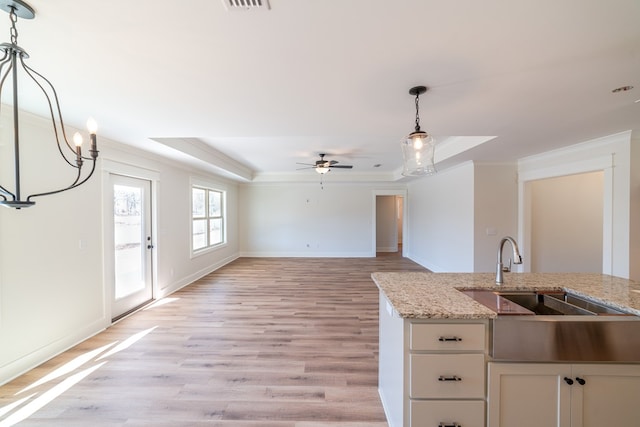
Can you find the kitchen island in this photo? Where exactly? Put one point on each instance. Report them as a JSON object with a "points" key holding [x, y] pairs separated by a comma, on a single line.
{"points": [[436, 368]]}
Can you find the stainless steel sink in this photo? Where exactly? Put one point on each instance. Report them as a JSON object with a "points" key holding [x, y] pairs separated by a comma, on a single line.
{"points": [[559, 326], [558, 303], [544, 304]]}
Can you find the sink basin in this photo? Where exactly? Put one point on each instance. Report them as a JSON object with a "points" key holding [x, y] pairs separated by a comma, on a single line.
{"points": [[558, 326], [545, 304], [539, 303]]}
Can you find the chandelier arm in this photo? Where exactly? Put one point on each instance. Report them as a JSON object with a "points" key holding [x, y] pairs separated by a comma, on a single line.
{"points": [[4, 192], [30, 71], [6, 60], [3, 77], [74, 185]]}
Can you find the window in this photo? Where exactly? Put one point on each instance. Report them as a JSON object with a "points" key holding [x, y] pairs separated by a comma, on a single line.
{"points": [[207, 228]]}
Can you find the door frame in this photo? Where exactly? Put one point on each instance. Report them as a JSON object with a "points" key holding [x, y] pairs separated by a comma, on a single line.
{"points": [[110, 167], [405, 235], [604, 163]]}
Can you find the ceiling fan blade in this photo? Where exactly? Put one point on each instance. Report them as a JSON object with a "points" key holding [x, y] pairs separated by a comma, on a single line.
{"points": [[333, 162], [307, 167], [306, 164], [342, 166]]}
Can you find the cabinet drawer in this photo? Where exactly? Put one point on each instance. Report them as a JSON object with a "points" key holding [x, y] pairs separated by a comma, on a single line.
{"points": [[447, 376], [448, 337], [447, 413]]}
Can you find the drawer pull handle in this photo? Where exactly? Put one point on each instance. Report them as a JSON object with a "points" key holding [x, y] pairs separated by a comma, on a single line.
{"points": [[581, 381], [453, 378], [449, 425], [449, 339]]}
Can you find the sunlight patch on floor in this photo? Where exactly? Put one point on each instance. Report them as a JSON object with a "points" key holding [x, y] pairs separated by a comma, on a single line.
{"points": [[67, 367], [48, 396], [31, 404], [158, 303]]}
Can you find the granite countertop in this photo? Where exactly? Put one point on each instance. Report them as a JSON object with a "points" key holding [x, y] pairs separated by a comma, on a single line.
{"points": [[437, 296]]}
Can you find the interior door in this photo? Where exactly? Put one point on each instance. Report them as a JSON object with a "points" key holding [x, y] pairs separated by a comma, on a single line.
{"points": [[132, 244]]}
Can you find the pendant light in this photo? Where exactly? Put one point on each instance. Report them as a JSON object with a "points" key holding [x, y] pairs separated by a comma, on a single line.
{"points": [[12, 59], [418, 148]]}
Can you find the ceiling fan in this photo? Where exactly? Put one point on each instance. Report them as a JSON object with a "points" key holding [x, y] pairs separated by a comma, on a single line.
{"points": [[323, 166]]}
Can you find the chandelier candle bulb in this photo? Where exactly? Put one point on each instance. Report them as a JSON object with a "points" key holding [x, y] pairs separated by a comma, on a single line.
{"points": [[92, 126], [77, 140]]}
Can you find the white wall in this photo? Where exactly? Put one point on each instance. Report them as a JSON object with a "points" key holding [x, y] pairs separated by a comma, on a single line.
{"points": [[52, 293], [302, 219], [495, 212], [566, 223], [441, 220], [386, 224]]}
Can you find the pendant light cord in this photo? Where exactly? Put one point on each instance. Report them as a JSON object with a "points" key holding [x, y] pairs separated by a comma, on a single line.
{"points": [[417, 113]]}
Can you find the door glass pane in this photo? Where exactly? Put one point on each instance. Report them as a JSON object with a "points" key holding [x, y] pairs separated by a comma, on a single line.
{"points": [[128, 239], [215, 231]]}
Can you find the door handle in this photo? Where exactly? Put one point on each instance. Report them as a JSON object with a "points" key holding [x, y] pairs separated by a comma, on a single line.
{"points": [[452, 378], [449, 339]]}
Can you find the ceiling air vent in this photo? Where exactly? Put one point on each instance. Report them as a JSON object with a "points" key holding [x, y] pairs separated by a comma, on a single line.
{"points": [[246, 4]]}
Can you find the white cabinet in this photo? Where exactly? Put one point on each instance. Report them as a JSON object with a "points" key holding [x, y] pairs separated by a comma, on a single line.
{"points": [[563, 395], [432, 372]]}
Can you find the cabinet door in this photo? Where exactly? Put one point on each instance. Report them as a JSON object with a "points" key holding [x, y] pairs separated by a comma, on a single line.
{"points": [[610, 395], [529, 395]]}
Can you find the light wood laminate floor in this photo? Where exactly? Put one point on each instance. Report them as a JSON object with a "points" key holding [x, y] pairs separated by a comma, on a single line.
{"points": [[261, 342]]}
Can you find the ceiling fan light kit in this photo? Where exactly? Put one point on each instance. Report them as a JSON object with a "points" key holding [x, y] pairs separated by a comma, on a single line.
{"points": [[418, 148], [13, 58]]}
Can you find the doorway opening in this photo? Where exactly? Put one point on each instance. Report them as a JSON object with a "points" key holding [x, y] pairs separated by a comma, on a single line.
{"points": [[389, 225]]}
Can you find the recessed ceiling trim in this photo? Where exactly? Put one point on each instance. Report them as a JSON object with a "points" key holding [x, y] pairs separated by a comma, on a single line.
{"points": [[246, 4]]}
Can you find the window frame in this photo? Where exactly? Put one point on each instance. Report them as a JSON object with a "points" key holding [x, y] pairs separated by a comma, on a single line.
{"points": [[208, 218]]}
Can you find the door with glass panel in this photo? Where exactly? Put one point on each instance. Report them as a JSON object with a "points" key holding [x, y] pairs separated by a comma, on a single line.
{"points": [[132, 244]]}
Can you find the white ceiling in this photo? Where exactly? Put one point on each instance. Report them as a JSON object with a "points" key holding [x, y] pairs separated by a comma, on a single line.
{"points": [[254, 92]]}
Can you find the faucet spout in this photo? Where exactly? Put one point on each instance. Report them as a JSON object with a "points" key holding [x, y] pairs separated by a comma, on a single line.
{"points": [[517, 259]]}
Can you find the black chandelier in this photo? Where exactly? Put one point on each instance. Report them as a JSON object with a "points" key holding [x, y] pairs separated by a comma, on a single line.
{"points": [[13, 56], [418, 148]]}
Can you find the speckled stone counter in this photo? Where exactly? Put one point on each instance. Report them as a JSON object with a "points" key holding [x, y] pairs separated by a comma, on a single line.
{"points": [[436, 295]]}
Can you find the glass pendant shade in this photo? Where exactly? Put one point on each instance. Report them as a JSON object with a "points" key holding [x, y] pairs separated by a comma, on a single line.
{"points": [[417, 151], [322, 169]]}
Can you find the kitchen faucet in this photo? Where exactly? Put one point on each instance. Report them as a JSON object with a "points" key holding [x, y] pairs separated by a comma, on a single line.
{"points": [[517, 259]]}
